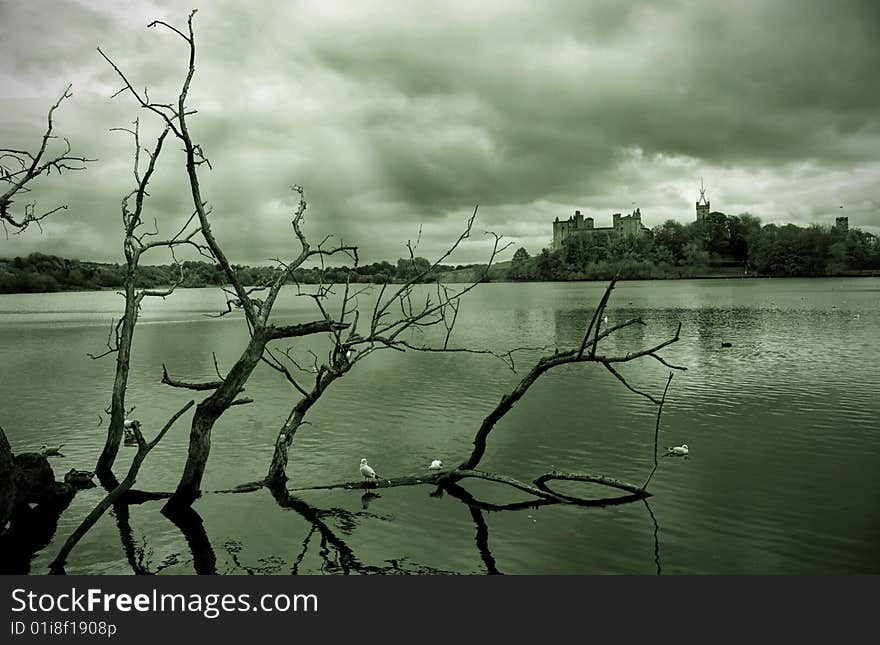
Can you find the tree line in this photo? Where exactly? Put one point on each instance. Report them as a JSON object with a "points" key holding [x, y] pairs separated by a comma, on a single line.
{"points": [[39, 273], [736, 244]]}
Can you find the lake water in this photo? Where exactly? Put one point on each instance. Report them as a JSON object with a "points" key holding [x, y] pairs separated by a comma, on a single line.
{"points": [[783, 429]]}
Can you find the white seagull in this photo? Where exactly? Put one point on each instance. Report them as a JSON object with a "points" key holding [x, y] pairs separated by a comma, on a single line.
{"points": [[128, 430], [605, 319], [678, 451], [367, 472], [435, 465], [51, 451]]}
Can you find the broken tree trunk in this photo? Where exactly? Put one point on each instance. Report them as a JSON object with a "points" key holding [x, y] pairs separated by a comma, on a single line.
{"points": [[104, 467], [206, 415], [277, 474]]}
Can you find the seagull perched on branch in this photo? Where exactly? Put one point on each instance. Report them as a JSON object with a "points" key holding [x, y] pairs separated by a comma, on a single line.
{"points": [[678, 451], [128, 429], [367, 472]]}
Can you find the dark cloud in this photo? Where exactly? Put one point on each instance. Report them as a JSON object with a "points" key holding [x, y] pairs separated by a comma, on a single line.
{"points": [[401, 115]]}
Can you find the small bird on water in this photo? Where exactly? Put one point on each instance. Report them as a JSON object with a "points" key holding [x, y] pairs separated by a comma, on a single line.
{"points": [[435, 465], [80, 478], [678, 451], [51, 451]]}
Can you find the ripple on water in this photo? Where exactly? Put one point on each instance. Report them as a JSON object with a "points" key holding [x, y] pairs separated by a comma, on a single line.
{"points": [[783, 427]]}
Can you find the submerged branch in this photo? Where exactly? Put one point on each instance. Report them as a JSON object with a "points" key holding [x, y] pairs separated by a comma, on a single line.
{"points": [[144, 448], [450, 477]]}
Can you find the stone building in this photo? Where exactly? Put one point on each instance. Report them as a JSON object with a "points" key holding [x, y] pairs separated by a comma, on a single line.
{"points": [[577, 224], [842, 224], [702, 204]]}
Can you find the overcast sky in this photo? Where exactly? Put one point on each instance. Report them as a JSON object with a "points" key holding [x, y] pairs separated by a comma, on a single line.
{"points": [[396, 115]]}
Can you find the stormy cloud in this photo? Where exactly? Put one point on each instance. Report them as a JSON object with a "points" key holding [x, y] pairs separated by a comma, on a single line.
{"points": [[397, 116]]}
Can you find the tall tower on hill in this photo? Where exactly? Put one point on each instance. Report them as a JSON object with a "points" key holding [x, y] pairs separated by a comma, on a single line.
{"points": [[702, 204]]}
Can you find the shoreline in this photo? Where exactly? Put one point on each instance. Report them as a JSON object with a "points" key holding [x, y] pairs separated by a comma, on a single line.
{"points": [[871, 274]]}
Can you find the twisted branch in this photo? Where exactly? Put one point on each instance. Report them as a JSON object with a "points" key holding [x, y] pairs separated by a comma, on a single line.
{"points": [[20, 168]]}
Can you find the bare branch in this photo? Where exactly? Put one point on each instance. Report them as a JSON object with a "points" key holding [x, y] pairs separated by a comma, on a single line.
{"points": [[667, 364], [241, 401], [304, 329], [596, 321], [92, 518], [564, 358], [217, 367], [113, 339], [188, 385], [273, 362], [29, 167], [506, 357], [620, 378], [657, 431]]}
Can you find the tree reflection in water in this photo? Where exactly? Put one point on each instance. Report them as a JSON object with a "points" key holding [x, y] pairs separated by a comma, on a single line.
{"points": [[325, 540]]}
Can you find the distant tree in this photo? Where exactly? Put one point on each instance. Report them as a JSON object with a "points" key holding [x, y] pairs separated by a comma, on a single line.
{"points": [[858, 251], [548, 266], [408, 267], [742, 231], [520, 265], [575, 252], [714, 234], [670, 239], [695, 255]]}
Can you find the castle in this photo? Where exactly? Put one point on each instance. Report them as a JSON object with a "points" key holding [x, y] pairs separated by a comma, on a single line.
{"points": [[577, 224], [631, 225]]}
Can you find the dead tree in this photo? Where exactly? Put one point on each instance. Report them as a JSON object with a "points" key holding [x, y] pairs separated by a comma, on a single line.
{"points": [[144, 448], [256, 311], [396, 313], [587, 351], [136, 242], [19, 169]]}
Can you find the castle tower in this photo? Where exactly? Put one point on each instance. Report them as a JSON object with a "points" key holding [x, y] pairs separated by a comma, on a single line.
{"points": [[702, 204]]}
